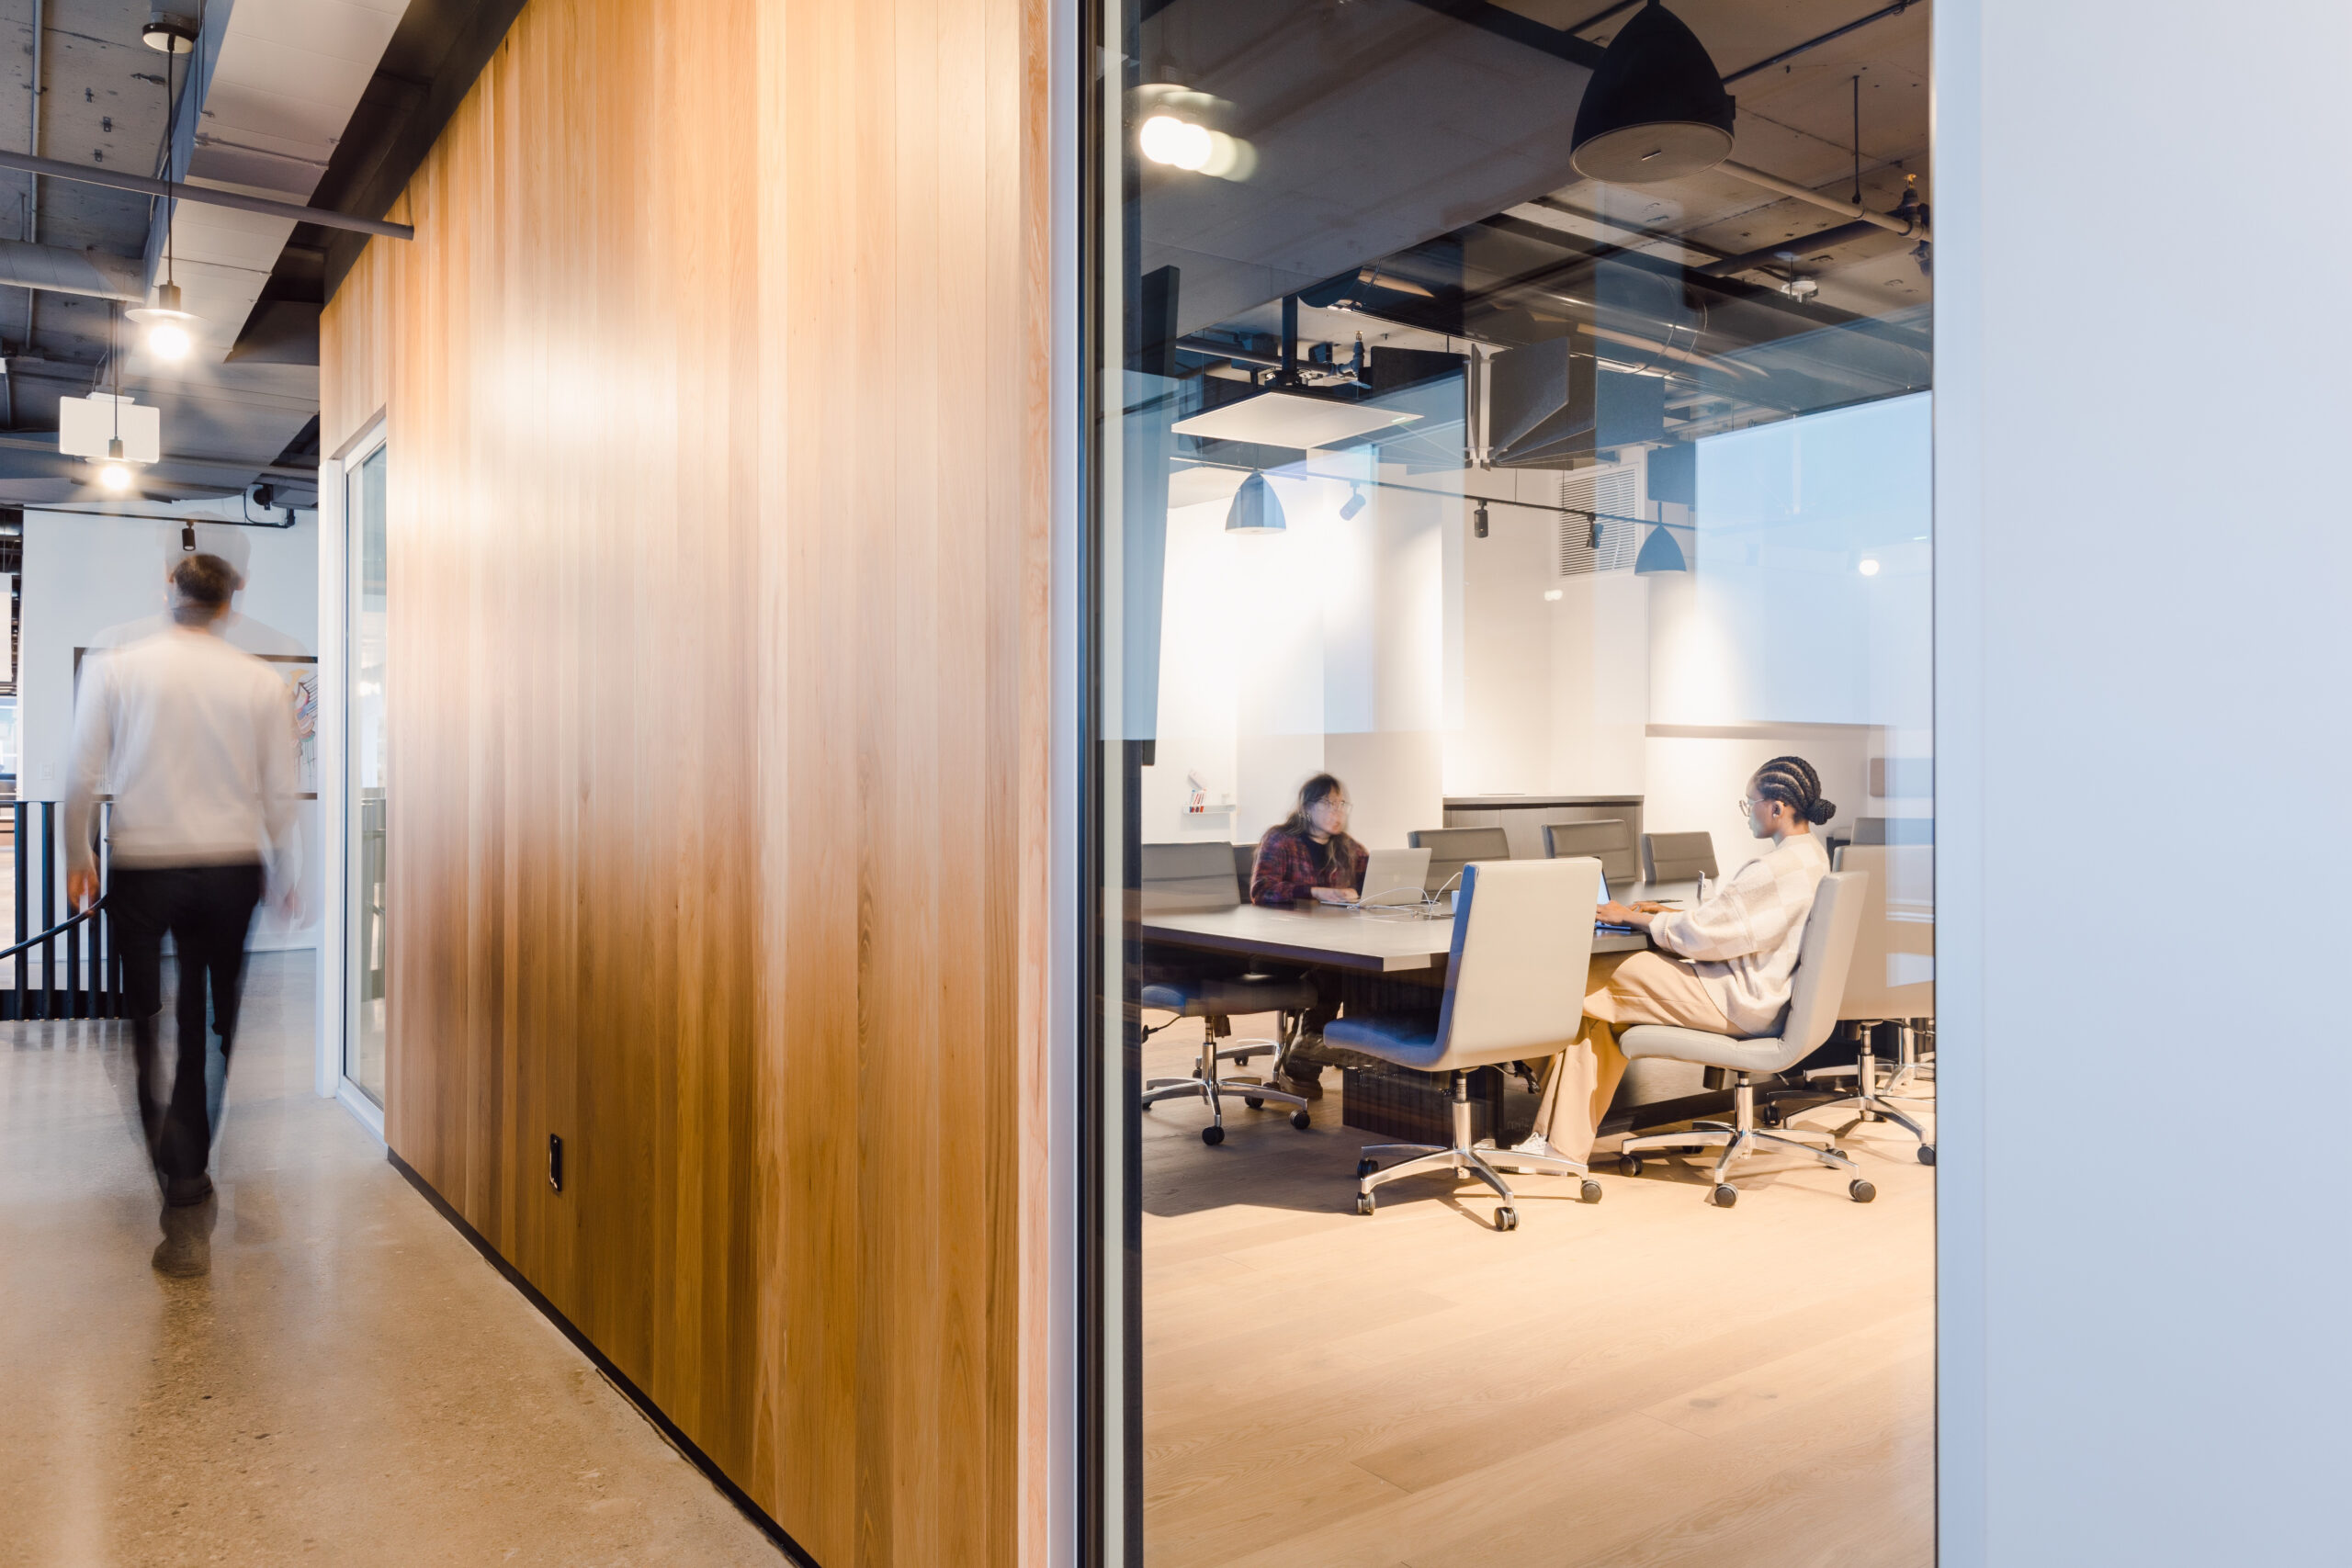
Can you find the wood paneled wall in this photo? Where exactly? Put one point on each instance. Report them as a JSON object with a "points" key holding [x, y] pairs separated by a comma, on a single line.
{"points": [[716, 384]]}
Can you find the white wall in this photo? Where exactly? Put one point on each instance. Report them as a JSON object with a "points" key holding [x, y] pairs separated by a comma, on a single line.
{"points": [[1283, 655], [90, 580], [2143, 1272]]}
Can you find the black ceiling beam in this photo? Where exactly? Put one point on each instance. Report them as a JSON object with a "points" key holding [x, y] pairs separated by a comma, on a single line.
{"points": [[1518, 29]]}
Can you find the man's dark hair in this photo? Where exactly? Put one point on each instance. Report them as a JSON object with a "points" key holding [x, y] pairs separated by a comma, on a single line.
{"points": [[205, 583]]}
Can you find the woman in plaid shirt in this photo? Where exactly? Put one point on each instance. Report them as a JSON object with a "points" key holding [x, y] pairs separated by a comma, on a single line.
{"points": [[1310, 854]]}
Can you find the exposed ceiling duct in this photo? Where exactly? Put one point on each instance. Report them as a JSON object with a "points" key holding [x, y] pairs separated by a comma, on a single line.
{"points": [[57, 270], [274, 86]]}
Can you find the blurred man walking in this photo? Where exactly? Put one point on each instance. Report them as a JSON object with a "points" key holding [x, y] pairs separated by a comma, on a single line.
{"points": [[196, 741]]}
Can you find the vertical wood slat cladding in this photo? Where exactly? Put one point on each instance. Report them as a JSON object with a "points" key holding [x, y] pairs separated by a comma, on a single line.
{"points": [[715, 386]]}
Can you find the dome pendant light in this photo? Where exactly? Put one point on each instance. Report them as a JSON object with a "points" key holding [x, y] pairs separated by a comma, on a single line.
{"points": [[1656, 108], [1660, 553], [1255, 508], [170, 331]]}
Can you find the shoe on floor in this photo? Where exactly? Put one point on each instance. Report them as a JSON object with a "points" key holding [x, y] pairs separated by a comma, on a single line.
{"points": [[186, 1251], [182, 1192], [1305, 1089]]}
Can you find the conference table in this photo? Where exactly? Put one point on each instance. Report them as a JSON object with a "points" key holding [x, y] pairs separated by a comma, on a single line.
{"points": [[1333, 936]]}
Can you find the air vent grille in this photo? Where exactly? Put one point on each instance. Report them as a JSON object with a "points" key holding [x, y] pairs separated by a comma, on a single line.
{"points": [[1611, 545]]}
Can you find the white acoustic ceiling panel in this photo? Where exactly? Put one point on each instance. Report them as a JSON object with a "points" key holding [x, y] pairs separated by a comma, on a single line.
{"points": [[1287, 419]]}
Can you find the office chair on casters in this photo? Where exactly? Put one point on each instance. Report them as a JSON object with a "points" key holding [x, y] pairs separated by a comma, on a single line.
{"points": [[1216, 999], [1514, 987], [1822, 964], [1207, 876], [1891, 982]]}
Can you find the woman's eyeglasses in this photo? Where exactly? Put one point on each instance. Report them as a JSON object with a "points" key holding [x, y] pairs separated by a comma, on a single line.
{"points": [[1747, 808]]}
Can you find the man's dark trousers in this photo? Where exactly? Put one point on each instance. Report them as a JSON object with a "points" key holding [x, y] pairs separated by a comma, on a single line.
{"points": [[208, 909]]}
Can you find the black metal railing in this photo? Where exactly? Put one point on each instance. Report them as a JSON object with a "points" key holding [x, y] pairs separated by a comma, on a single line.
{"points": [[60, 968]]}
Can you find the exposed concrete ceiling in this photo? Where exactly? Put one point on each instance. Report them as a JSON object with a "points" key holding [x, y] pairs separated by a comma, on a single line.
{"points": [[272, 100]]}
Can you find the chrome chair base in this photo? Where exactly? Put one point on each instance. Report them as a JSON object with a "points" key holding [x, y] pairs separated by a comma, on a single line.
{"points": [[1206, 1082], [1485, 1161], [1739, 1138], [1870, 1098]]}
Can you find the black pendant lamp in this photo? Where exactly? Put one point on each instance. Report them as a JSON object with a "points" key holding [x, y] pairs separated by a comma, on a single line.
{"points": [[1656, 108]]}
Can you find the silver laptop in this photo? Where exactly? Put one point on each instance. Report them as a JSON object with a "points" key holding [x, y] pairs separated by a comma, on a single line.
{"points": [[1395, 876]]}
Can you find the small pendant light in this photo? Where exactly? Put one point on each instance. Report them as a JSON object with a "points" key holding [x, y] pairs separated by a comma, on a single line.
{"points": [[1660, 553], [170, 331], [1656, 108], [1256, 508]]}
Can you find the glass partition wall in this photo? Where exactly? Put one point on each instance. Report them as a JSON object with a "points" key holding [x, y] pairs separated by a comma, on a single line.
{"points": [[1516, 416], [365, 618]]}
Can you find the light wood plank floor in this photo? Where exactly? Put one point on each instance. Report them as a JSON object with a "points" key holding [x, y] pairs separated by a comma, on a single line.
{"points": [[1648, 1380]]}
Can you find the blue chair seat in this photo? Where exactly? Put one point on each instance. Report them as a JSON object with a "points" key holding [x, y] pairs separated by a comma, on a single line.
{"points": [[1224, 996], [1410, 1040]]}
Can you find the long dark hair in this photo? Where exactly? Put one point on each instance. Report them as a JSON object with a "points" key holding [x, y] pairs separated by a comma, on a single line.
{"points": [[1792, 783], [1312, 794]]}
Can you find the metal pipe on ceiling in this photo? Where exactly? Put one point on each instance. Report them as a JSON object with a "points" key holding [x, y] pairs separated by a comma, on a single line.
{"points": [[33, 201], [1907, 227], [1790, 54], [31, 441], [1772, 255], [205, 196]]}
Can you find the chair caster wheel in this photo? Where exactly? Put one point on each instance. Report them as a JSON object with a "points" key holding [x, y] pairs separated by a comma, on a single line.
{"points": [[1589, 1191], [1363, 1202], [1146, 1107], [1253, 1102], [1212, 1135], [1770, 1115], [1506, 1218], [1926, 1153], [1366, 1168], [1300, 1120], [1860, 1191], [1630, 1164], [1724, 1195]]}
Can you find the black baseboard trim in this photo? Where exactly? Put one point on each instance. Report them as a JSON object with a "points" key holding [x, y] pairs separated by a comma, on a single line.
{"points": [[619, 1380]]}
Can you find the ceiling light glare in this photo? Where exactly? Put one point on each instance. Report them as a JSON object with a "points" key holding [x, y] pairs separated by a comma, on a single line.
{"points": [[1868, 567], [116, 477], [1177, 143], [169, 340]]}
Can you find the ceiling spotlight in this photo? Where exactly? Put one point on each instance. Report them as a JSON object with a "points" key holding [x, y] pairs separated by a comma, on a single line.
{"points": [[1868, 567], [1255, 508], [1478, 520], [1354, 505], [167, 34], [116, 477], [168, 331], [1654, 109], [1177, 143]]}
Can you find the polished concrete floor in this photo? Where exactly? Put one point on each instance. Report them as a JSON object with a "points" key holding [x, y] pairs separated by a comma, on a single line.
{"points": [[331, 1375]]}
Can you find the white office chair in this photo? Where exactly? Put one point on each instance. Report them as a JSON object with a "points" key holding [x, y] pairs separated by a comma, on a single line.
{"points": [[1514, 987], [1822, 964], [1892, 981]]}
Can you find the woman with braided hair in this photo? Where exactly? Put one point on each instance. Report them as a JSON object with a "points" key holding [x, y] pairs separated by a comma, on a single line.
{"points": [[1727, 966]]}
